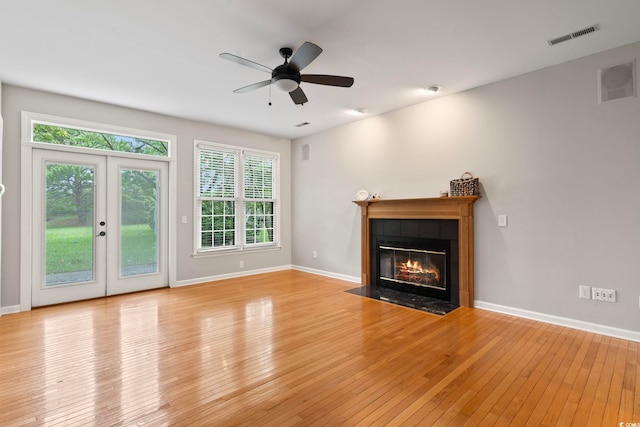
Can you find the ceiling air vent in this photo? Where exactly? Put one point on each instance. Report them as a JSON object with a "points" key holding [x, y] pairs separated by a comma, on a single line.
{"points": [[573, 35], [299, 125]]}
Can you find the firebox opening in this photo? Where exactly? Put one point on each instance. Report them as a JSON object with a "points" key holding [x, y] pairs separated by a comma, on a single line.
{"points": [[415, 267]]}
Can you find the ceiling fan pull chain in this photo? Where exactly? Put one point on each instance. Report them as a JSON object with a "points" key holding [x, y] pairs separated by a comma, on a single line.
{"points": [[269, 95]]}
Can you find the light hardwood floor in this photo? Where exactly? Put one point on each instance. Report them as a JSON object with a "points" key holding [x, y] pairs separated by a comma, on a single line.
{"points": [[291, 348]]}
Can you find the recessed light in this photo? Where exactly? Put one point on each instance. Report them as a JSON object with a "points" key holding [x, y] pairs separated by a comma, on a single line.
{"points": [[433, 89]]}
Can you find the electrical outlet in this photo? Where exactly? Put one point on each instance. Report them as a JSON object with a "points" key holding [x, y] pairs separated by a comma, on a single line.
{"points": [[315, 254], [610, 295], [601, 294], [241, 264]]}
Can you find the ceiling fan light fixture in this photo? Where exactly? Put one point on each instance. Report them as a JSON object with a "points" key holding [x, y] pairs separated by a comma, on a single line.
{"points": [[285, 83]]}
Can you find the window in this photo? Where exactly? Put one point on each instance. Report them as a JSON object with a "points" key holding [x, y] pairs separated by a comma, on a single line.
{"points": [[50, 132], [236, 200]]}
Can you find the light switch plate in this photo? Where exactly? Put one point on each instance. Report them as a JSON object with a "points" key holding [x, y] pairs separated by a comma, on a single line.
{"points": [[585, 292], [502, 220]]}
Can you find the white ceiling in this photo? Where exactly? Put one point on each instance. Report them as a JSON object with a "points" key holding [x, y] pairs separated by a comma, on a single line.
{"points": [[162, 55]]}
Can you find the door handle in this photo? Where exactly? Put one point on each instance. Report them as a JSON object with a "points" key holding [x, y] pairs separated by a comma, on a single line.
{"points": [[102, 233]]}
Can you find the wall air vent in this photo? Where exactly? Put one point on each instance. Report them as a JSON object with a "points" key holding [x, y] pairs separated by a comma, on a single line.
{"points": [[617, 82], [573, 35]]}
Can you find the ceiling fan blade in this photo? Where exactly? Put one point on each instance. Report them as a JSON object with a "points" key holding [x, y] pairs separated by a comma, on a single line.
{"points": [[305, 55], [254, 86], [298, 96], [323, 79], [238, 60]]}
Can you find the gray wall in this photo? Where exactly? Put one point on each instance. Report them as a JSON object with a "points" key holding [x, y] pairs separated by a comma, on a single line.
{"points": [[561, 166], [15, 100]]}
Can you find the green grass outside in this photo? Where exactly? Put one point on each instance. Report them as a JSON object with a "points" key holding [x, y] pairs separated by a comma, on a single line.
{"points": [[69, 249]]}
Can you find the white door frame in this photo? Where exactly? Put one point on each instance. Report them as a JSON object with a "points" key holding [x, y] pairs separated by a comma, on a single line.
{"points": [[26, 187], [1, 194]]}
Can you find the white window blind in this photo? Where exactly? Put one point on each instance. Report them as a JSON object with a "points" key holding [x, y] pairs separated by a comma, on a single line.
{"points": [[258, 177], [217, 173]]}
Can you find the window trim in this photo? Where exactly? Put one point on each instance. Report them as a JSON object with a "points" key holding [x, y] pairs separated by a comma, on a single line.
{"points": [[239, 200]]}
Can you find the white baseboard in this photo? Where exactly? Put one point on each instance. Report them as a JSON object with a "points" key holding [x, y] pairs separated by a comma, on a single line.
{"points": [[10, 309], [561, 321], [234, 275], [327, 274]]}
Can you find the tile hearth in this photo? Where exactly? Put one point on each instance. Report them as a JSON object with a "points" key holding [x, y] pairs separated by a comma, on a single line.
{"points": [[405, 299]]}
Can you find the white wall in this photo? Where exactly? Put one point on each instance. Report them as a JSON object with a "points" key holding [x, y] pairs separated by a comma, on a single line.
{"points": [[562, 167], [189, 269]]}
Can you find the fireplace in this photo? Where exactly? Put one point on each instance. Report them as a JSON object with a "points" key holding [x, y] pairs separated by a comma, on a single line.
{"points": [[436, 231], [415, 256]]}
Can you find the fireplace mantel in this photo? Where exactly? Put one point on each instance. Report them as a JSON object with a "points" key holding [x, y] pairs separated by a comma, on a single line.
{"points": [[458, 208]]}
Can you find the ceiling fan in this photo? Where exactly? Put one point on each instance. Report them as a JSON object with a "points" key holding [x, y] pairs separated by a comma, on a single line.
{"points": [[287, 77]]}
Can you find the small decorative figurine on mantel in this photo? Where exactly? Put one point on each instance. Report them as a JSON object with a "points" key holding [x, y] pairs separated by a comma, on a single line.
{"points": [[365, 195]]}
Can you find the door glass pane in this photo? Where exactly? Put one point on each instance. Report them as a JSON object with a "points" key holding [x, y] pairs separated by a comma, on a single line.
{"points": [[69, 224], [138, 222]]}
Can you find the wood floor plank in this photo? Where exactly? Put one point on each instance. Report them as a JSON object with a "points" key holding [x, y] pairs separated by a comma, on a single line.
{"points": [[612, 409], [293, 348], [522, 396], [532, 409], [628, 386], [388, 410], [486, 378], [491, 393], [635, 384], [457, 398], [599, 373]]}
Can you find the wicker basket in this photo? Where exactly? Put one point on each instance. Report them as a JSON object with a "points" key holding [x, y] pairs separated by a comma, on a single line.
{"points": [[467, 185]]}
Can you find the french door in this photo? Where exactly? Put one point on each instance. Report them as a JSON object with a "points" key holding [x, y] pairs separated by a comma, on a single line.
{"points": [[99, 226]]}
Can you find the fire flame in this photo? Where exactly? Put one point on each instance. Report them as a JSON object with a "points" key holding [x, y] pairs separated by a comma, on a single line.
{"points": [[416, 267]]}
